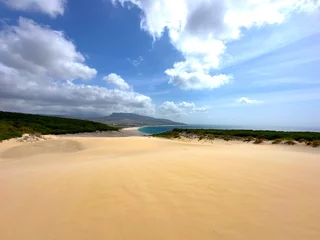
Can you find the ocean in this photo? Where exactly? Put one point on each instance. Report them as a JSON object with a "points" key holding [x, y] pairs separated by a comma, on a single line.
{"points": [[161, 129]]}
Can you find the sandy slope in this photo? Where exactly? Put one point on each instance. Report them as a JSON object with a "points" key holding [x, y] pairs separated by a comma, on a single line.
{"points": [[144, 188]]}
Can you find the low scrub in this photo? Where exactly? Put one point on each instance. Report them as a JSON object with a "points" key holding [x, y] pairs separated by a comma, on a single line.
{"points": [[226, 138], [258, 141], [315, 143], [15, 124], [290, 142], [258, 136], [277, 141], [248, 139]]}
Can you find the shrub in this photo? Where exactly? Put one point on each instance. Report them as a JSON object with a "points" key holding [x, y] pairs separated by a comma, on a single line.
{"points": [[258, 141], [315, 143], [277, 141], [210, 136], [248, 139], [290, 142], [226, 138]]}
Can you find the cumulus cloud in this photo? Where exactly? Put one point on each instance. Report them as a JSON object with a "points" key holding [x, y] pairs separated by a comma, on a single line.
{"points": [[37, 69], [177, 109], [248, 101], [118, 81], [40, 50], [50, 7], [197, 79], [201, 29]]}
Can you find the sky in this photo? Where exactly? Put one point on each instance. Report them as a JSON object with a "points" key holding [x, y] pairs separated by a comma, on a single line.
{"points": [[227, 62]]}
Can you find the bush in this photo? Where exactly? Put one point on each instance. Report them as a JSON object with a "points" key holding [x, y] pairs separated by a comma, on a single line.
{"points": [[226, 138], [316, 143], [248, 139], [258, 141], [290, 142], [277, 141], [210, 136]]}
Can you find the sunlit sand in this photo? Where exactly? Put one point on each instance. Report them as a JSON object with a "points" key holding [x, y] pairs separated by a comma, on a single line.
{"points": [[141, 188]]}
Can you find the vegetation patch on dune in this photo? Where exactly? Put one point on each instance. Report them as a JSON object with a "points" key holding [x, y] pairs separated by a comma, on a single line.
{"points": [[16, 124], [257, 136]]}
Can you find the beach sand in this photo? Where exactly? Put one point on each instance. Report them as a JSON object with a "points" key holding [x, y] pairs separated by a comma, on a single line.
{"points": [[143, 188]]}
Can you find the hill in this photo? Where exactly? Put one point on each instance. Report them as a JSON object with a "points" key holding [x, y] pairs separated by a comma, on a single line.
{"points": [[131, 119], [16, 124]]}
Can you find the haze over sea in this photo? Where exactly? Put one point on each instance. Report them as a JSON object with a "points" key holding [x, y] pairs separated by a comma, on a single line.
{"points": [[161, 129]]}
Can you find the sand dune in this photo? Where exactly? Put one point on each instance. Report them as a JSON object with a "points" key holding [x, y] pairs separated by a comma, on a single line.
{"points": [[43, 147], [145, 188]]}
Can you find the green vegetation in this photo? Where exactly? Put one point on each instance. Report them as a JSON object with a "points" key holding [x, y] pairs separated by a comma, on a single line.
{"points": [[258, 141], [258, 136], [15, 124], [290, 142], [248, 139], [277, 141], [315, 143]]}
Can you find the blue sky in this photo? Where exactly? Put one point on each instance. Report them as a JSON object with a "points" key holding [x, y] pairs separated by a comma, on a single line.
{"points": [[230, 62]]}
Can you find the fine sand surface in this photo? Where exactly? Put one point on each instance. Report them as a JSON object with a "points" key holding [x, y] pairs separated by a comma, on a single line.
{"points": [[141, 188], [125, 132]]}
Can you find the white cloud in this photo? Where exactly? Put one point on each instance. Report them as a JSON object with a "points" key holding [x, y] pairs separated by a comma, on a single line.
{"points": [[201, 29], [136, 62], [177, 109], [40, 50], [248, 101], [37, 66], [196, 79], [50, 7], [169, 108], [118, 81]]}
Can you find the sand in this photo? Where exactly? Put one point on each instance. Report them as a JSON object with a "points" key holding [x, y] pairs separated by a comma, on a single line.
{"points": [[125, 132], [142, 188]]}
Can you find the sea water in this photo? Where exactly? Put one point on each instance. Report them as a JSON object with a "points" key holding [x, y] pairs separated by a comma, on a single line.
{"points": [[162, 129]]}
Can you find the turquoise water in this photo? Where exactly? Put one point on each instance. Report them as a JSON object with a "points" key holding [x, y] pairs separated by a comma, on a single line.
{"points": [[161, 129]]}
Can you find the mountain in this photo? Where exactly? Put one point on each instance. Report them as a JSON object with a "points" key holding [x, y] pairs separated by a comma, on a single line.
{"points": [[135, 120]]}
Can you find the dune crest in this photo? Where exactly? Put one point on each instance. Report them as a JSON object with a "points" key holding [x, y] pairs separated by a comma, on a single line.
{"points": [[43, 147]]}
